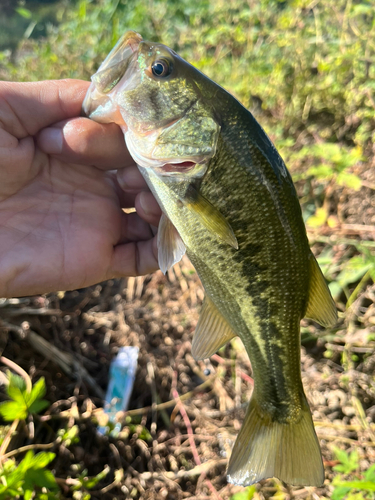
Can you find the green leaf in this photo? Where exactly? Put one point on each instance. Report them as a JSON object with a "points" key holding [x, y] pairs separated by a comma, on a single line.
{"points": [[69, 436], [8, 467], [93, 481], [42, 459], [49, 480], [319, 218], [12, 410], [370, 474], [360, 10], [349, 463], [38, 390], [23, 401], [350, 180], [321, 172], [247, 494], [353, 270], [38, 406], [28, 493], [27, 461], [341, 455], [359, 485], [41, 478], [7, 493], [26, 13], [12, 479], [16, 381], [339, 493], [16, 388], [17, 395], [82, 9], [90, 482], [30, 473]]}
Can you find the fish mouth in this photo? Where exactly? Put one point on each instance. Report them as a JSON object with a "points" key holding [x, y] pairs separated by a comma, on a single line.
{"points": [[182, 167], [97, 104], [182, 170]]}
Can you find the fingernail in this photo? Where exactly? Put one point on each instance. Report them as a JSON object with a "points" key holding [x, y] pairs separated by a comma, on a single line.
{"points": [[51, 140]]}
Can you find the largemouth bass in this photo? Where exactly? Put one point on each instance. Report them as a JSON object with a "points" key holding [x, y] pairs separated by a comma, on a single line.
{"points": [[230, 203]]}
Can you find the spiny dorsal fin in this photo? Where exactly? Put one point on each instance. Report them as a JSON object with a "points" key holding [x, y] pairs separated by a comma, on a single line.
{"points": [[321, 307], [212, 331], [171, 248], [209, 216]]}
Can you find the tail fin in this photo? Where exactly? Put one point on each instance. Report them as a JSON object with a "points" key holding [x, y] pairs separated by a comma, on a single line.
{"points": [[265, 448]]}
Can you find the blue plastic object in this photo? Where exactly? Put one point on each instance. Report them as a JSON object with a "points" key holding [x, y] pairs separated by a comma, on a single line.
{"points": [[121, 380]]}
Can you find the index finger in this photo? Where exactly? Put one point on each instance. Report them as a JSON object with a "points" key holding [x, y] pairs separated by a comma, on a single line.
{"points": [[25, 108]]}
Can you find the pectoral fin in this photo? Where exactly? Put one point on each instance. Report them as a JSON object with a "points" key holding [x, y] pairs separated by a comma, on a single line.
{"points": [[209, 216], [321, 307], [171, 248], [212, 331]]}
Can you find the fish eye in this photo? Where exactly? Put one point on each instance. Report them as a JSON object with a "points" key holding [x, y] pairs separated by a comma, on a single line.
{"points": [[161, 68]]}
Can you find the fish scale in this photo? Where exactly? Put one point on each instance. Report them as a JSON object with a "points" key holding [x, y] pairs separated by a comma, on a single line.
{"points": [[229, 201]]}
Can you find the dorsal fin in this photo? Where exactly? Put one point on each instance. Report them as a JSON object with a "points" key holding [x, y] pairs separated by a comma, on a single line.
{"points": [[321, 307], [212, 331], [171, 248]]}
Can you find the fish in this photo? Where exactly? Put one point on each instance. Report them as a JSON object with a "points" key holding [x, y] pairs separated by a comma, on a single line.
{"points": [[229, 203]]}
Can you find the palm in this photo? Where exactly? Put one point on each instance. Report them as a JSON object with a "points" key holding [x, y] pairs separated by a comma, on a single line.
{"points": [[61, 223], [65, 221]]}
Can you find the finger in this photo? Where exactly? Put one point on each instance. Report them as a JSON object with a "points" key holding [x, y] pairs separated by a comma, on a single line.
{"points": [[131, 187], [134, 259], [131, 180], [86, 142], [147, 208], [28, 107], [7, 140], [126, 198], [134, 228], [14, 163]]}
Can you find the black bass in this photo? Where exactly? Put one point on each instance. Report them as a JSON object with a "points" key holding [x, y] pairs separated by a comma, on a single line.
{"points": [[229, 202]]}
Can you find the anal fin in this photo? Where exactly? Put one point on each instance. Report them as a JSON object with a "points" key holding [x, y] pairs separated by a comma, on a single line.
{"points": [[171, 248], [212, 331], [321, 307]]}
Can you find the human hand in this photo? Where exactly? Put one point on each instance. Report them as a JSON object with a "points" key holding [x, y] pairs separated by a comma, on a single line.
{"points": [[61, 220]]}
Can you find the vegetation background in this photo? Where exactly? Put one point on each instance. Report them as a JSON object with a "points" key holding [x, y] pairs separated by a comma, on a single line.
{"points": [[306, 69]]}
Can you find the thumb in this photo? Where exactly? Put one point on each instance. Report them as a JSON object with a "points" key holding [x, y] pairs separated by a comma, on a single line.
{"points": [[25, 108]]}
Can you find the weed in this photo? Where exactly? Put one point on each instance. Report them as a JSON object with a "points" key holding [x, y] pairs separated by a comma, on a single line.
{"points": [[24, 400], [362, 487], [28, 478]]}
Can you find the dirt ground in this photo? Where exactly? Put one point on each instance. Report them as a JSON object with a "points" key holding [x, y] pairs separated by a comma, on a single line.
{"points": [[184, 415]]}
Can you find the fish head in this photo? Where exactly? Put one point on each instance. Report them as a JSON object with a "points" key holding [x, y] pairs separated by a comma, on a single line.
{"points": [[161, 102]]}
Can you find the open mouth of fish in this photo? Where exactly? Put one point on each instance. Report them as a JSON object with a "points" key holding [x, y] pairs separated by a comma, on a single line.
{"points": [[99, 103], [185, 166]]}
